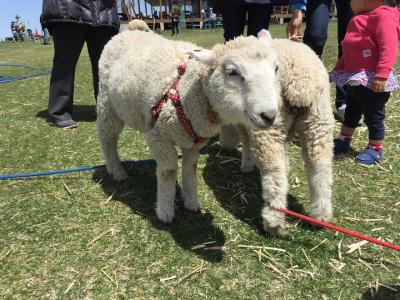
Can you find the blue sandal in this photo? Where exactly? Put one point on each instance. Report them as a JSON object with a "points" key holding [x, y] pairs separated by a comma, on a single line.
{"points": [[369, 157]]}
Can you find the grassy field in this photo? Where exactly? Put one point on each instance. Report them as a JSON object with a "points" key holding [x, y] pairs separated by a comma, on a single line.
{"points": [[81, 235]]}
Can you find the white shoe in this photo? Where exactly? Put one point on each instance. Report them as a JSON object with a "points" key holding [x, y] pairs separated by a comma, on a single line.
{"points": [[340, 113]]}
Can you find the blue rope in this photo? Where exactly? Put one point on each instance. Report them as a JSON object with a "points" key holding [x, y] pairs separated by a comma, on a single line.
{"points": [[10, 79], [3, 64], [148, 162]]}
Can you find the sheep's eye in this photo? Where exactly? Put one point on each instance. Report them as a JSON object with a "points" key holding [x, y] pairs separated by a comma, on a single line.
{"points": [[276, 68], [232, 72]]}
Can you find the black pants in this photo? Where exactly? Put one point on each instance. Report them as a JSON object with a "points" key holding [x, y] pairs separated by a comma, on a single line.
{"points": [[344, 14], [175, 27], [364, 101], [68, 42], [234, 16]]}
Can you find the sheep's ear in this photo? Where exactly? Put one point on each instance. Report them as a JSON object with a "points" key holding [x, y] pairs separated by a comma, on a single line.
{"points": [[205, 56], [264, 35]]}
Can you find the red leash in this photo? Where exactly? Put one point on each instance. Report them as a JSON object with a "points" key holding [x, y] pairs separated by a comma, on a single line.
{"points": [[340, 229]]}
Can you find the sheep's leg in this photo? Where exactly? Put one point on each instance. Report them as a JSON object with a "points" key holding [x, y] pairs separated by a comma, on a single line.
{"points": [[166, 180], [274, 184], [229, 137], [269, 152], [109, 127], [189, 179], [317, 155], [247, 163], [167, 169]]}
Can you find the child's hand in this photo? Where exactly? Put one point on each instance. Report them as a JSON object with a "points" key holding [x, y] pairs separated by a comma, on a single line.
{"points": [[379, 84]]}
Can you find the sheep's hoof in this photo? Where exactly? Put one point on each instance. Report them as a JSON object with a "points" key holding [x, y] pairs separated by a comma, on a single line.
{"points": [[192, 206], [120, 176], [273, 221], [164, 218], [325, 217], [247, 168], [274, 231]]}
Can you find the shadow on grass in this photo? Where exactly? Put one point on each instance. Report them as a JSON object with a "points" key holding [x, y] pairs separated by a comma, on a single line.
{"points": [[81, 113], [352, 153], [189, 230], [238, 193], [387, 292]]}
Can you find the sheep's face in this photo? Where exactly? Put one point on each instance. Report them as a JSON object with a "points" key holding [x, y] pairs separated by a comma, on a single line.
{"points": [[243, 86]]}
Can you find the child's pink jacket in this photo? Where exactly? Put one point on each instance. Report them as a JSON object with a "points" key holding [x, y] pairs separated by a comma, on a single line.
{"points": [[371, 42]]}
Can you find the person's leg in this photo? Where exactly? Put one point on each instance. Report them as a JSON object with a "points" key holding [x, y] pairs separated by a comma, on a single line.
{"points": [[68, 40], [316, 31], [258, 17], [234, 16], [373, 107], [177, 27], [45, 37], [172, 27], [352, 117], [97, 38], [354, 110], [344, 14]]}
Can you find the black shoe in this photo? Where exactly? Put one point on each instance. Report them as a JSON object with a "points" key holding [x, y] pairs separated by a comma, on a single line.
{"points": [[340, 146], [66, 124]]}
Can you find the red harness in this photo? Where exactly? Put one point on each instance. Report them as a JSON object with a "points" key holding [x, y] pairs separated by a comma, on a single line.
{"points": [[173, 95]]}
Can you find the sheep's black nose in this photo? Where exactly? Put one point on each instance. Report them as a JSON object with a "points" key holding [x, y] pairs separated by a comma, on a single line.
{"points": [[269, 119]]}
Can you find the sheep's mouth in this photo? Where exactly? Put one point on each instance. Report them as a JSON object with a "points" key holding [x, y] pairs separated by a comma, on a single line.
{"points": [[258, 122]]}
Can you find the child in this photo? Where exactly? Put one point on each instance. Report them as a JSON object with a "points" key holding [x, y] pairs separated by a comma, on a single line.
{"points": [[366, 71]]}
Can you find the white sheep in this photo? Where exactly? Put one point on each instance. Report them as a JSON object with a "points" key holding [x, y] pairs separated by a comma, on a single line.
{"points": [[225, 85], [305, 111]]}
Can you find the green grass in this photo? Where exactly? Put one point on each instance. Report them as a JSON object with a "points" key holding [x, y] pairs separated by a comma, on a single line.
{"points": [[49, 225]]}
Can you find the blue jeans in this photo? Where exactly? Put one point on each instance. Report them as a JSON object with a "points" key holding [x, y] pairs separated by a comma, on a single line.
{"points": [[316, 31], [364, 101]]}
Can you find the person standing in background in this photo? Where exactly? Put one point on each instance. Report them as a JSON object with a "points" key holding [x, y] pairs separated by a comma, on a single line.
{"points": [[19, 28], [316, 31], [45, 36], [14, 31], [234, 14], [344, 15], [71, 24], [175, 14], [155, 13], [203, 18], [213, 18]]}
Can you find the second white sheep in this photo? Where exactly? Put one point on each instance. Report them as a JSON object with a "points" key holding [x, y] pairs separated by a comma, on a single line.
{"points": [[306, 111]]}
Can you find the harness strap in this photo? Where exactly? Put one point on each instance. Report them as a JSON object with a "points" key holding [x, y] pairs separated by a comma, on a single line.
{"points": [[174, 96]]}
